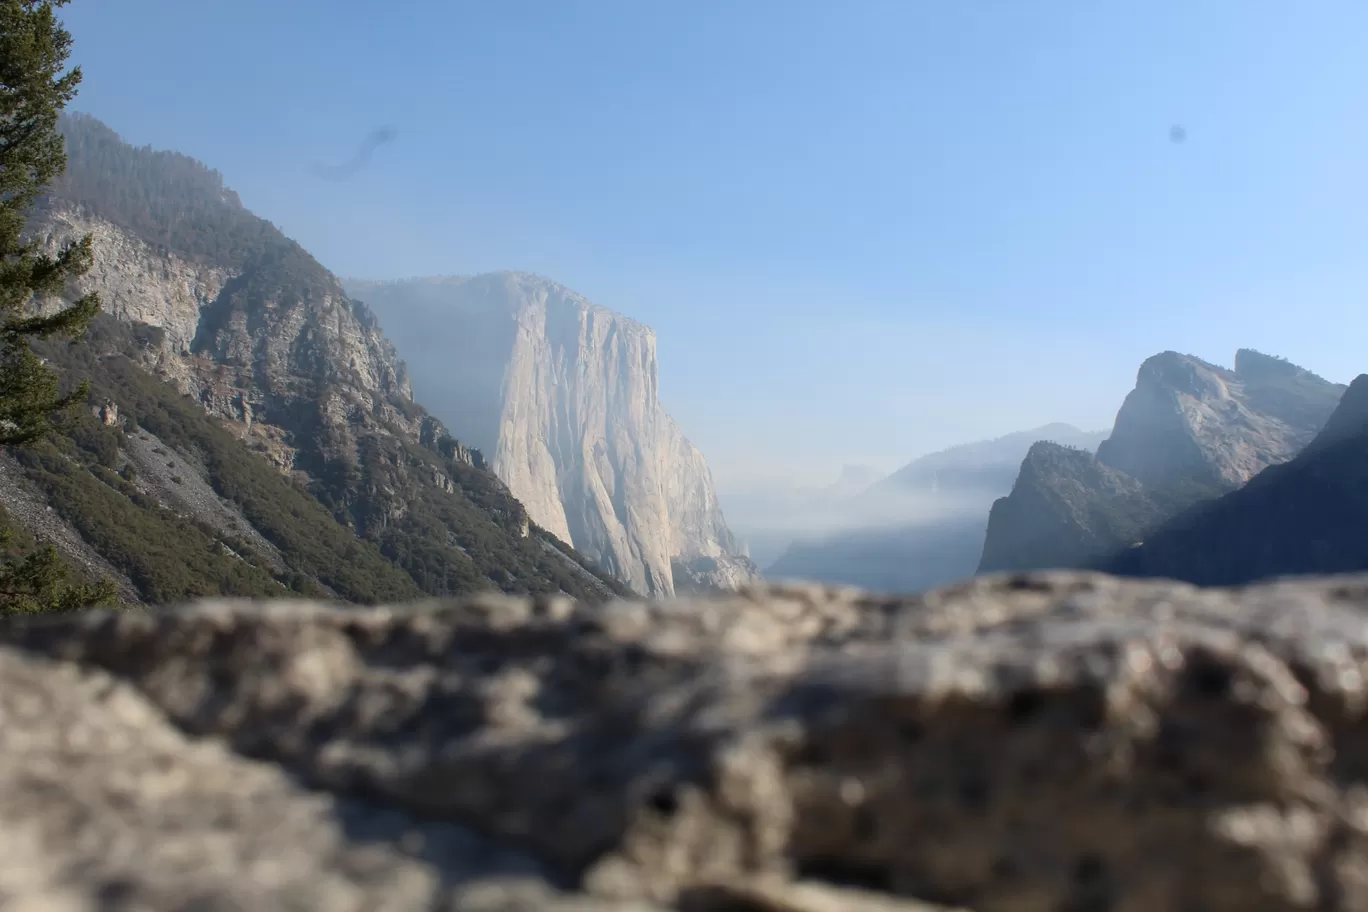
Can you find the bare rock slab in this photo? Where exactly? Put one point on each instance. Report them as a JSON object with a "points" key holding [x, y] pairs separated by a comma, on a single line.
{"points": [[1052, 743]]}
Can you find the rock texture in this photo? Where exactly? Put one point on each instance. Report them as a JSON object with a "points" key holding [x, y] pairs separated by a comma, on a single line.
{"points": [[1189, 431], [1074, 507], [1188, 418], [1306, 516], [563, 394], [1013, 744], [255, 360]]}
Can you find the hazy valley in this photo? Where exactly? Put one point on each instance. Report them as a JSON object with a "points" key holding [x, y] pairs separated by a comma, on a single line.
{"points": [[277, 429]]}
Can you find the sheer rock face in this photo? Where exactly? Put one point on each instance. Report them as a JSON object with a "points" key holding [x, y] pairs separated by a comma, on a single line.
{"points": [[1013, 744], [1187, 418], [1067, 508], [276, 366], [1189, 431], [1306, 516], [136, 283], [564, 394]]}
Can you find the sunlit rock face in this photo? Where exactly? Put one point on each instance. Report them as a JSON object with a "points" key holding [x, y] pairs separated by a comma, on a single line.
{"points": [[564, 395], [1187, 418]]}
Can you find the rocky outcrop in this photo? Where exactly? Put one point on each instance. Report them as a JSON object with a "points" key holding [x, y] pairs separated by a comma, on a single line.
{"points": [[1014, 744], [1305, 516], [1189, 432], [258, 360], [563, 394], [1193, 420]]}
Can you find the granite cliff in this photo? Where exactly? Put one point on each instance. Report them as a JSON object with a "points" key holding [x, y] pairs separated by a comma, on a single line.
{"points": [[1190, 419], [1306, 516], [317, 469], [1189, 432], [563, 395]]}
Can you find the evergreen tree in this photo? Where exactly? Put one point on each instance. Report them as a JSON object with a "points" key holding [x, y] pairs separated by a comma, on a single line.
{"points": [[40, 582], [33, 91]]}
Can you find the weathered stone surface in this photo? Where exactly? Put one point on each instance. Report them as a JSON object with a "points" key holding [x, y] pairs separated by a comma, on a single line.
{"points": [[1033, 744], [106, 806]]}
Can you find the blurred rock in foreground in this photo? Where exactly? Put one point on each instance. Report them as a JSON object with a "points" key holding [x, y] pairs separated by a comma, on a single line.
{"points": [[1033, 744]]}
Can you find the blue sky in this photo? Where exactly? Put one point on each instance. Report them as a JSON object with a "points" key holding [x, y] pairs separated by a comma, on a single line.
{"points": [[862, 230]]}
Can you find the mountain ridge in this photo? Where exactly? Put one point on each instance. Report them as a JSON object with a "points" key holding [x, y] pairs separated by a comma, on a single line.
{"points": [[209, 305], [563, 393], [1308, 515], [1188, 432]]}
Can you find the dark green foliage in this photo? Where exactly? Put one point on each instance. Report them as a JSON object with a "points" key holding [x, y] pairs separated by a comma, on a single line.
{"points": [[1068, 509], [373, 523], [471, 538], [312, 543], [171, 201], [35, 580], [33, 91], [179, 206], [166, 556], [415, 538]]}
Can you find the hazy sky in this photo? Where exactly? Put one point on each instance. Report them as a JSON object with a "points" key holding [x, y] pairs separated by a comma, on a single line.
{"points": [[862, 230]]}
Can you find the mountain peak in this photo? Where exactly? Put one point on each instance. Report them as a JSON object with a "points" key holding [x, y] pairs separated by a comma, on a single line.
{"points": [[1047, 459], [288, 379], [1183, 374], [1189, 419]]}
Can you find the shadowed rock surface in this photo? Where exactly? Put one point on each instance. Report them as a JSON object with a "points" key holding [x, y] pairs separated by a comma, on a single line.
{"points": [[1306, 516], [1062, 741], [1189, 432]]}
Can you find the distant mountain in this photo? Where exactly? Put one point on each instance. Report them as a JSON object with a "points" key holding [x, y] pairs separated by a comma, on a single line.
{"points": [[1068, 508], [563, 394], [1193, 420], [924, 524], [1189, 432], [252, 430], [1306, 516], [770, 514], [965, 470]]}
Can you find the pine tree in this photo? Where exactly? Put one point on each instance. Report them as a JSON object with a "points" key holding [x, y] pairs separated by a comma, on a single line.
{"points": [[40, 582], [33, 90]]}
